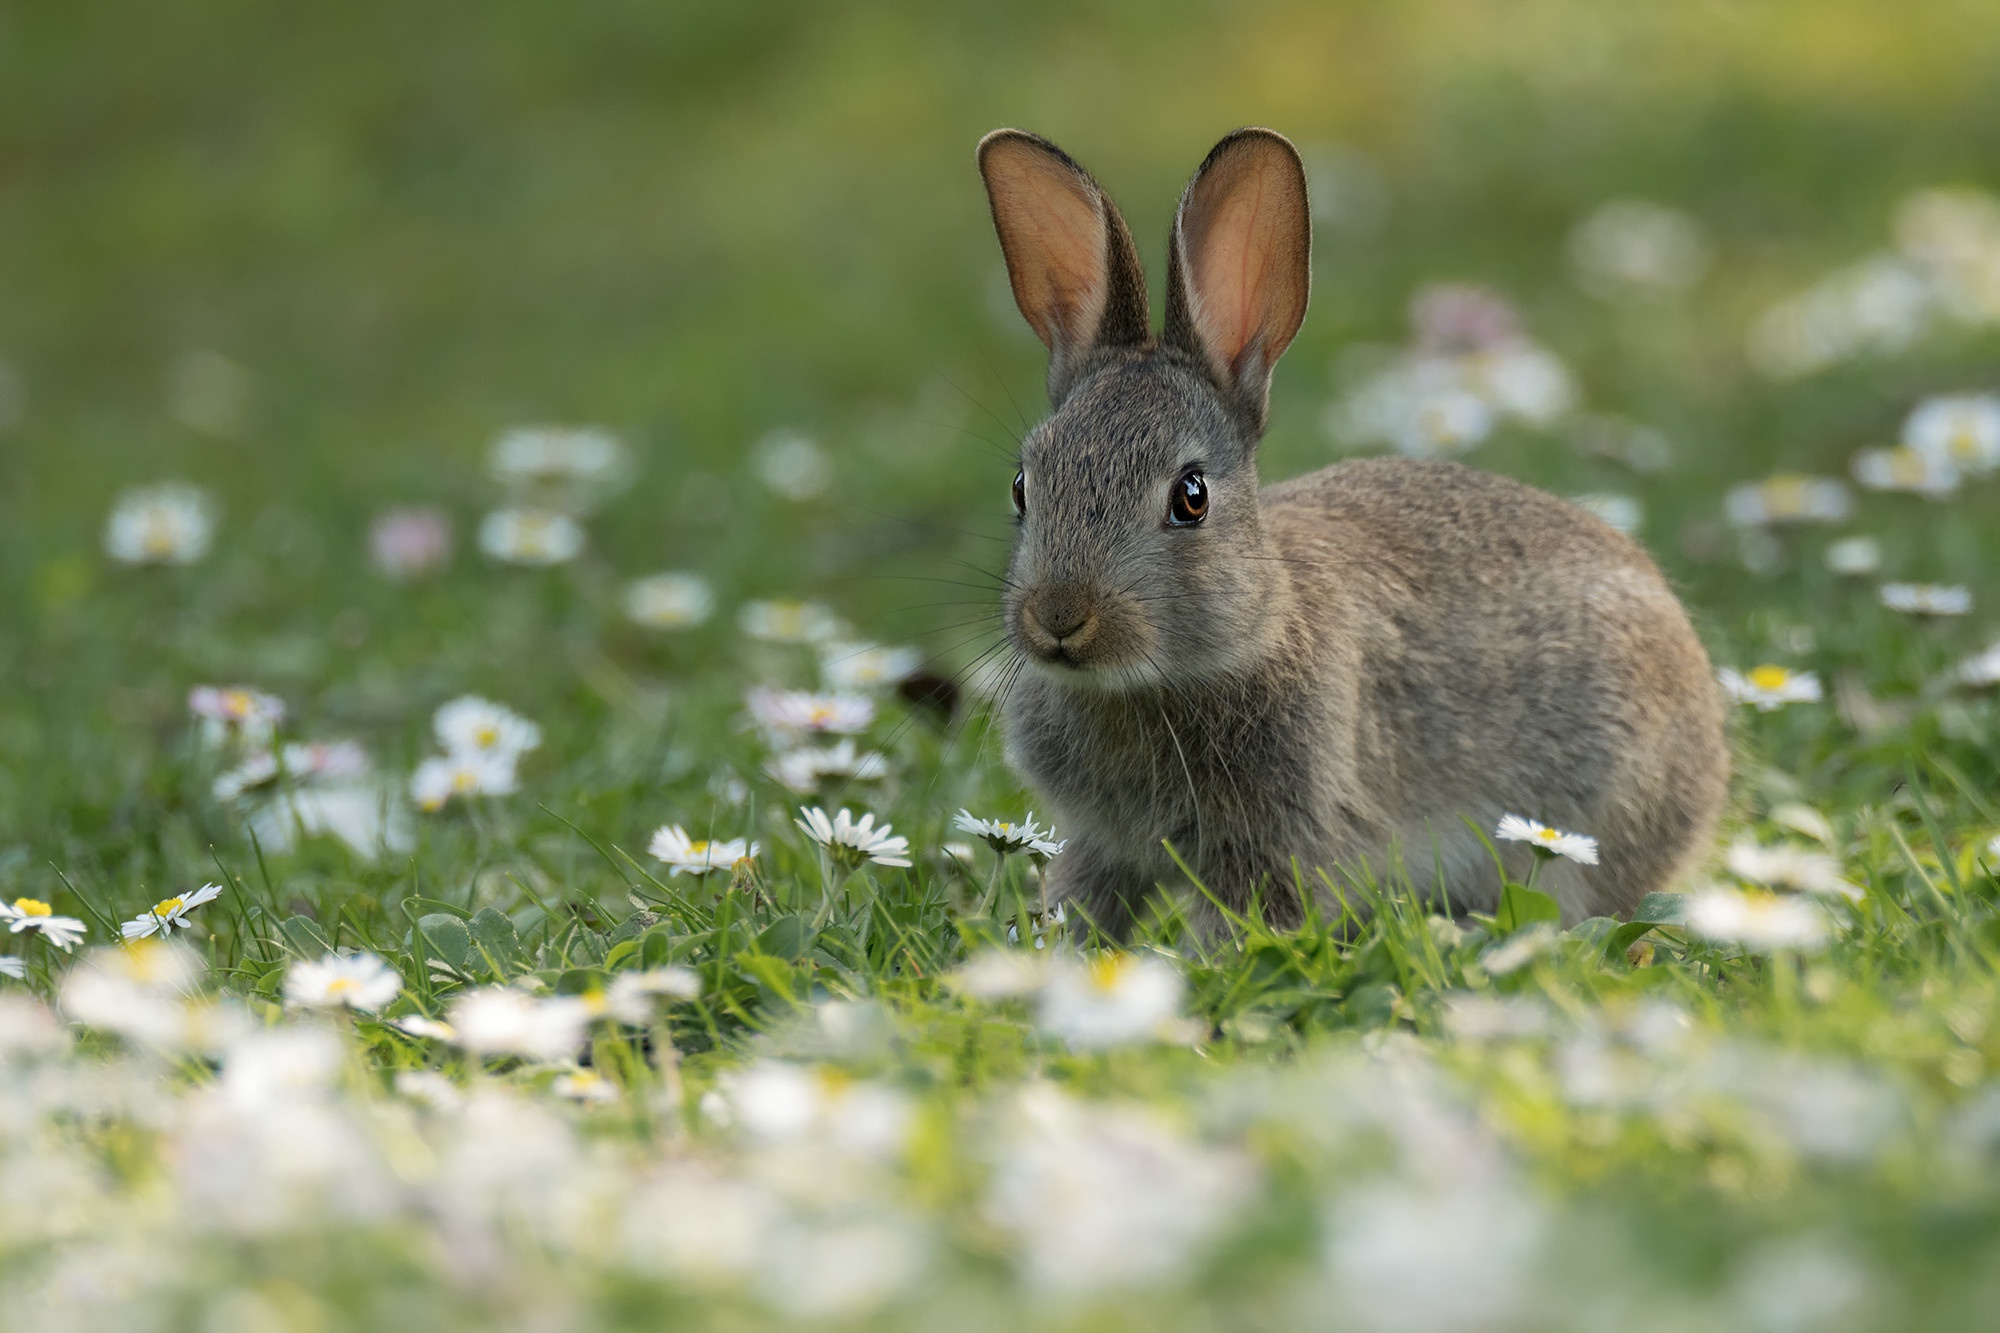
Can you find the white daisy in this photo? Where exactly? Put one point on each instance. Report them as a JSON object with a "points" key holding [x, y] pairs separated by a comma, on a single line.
{"points": [[1004, 837], [851, 841], [1983, 670], [325, 761], [342, 981], [698, 856], [442, 777], [1927, 599], [789, 622], [848, 667], [530, 456], [1548, 841], [235, 714], [632, 996], [1636, 248], [1788, 498], [169, 524], [474, 726], [32, 914], [499, 1020], [408, 543], [1790, 867], [802, 712], [1855, 557], [1904, 469], [1960, 431], [804, 770], [1770, 687], [1443, 421], [1111, 1000], [259, 770], [11, 966], [530, 536], [429, 1028], [1523, 379], [669, 601], [792, 465], [1757, 921], [586, 1086], [168, 913]]}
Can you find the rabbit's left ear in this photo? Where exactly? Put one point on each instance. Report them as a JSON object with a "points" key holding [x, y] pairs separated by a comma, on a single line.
{"points": [[1241, 264]]}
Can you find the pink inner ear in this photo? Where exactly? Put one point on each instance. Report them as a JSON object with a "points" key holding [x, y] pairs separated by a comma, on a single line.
{"points": [[1053, 235], [1243, 230]]}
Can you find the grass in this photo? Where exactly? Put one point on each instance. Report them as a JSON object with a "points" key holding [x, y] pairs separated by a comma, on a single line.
{"points": [[410, 232]]}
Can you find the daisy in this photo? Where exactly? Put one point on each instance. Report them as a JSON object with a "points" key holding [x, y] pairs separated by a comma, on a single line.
{"points": [[325, 761], [169, 524], [847, 667], [499, 1020], [789, 622], [805, 769], [1111, 1000], [698, 856], [1927, 599], [1636, 248], [1983, 670], [850, 841], [1956, 431], [428, 1028], [10, 966], [1004, 837], [586, 1086], [802, 712], [408, 543], [259, 770], [1548, 841], [1524, 380], [530, 536], [585, 456], [631, 997], [342, 981], [235, 713], [32, 914], [1622, 512], [1437, 422], [1770, 687], [470, 725], [1854, 557], [1788, 498], [168, 913], [442, 777], [792, 465], [1904, 469], [1758, 921], [669, 601], [1791, 868]]}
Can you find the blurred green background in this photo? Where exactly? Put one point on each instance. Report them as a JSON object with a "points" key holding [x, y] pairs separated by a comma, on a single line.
{"points": [[413, 226]]}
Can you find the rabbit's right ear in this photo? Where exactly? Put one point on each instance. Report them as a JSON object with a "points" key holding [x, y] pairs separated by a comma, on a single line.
{"points": [[1074, 268]]}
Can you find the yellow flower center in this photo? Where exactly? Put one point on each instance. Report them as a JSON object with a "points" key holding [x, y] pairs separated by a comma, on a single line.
{"points": [[1548, 835], [1785, 496], [1770, 677], [32, 907], [698, 848], [340, 986], [1964, 441], [236, 704], [486, 735], [168, 906], [820, 716], [464, 780], [1105, 972]]}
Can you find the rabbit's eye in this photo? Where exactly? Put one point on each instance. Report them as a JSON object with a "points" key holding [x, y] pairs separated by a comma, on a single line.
{"points": [[1189, 503], [1020, 492]]}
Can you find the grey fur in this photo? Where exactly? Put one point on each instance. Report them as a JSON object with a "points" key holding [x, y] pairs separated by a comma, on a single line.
{"points": [[1338, 671]]}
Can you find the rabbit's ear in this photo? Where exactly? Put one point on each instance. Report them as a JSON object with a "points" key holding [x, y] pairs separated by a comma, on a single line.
{"points": [[1074, 268], [1241, 264]]}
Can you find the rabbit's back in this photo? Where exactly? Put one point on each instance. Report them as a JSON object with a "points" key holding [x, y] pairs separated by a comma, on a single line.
{"points": [[1490, 648]]}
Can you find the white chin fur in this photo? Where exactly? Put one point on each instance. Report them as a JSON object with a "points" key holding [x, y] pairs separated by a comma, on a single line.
{"points": [[1103, 679]]}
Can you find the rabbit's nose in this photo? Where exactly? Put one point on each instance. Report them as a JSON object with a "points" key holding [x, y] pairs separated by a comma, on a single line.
{"points": [[1064, 614]]}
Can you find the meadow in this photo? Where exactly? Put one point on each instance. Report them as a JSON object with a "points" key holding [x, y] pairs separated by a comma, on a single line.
{"points": [[493, 497]]}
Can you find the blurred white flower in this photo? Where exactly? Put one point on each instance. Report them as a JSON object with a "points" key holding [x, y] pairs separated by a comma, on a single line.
{"points": [[697, 856], [1769, 687], [1904, 469], [342, 981], [431, 1029], [798, 713], [570, 467], [999, 974], [633, 997], [1438, 422], [472, 725], [1788, 498], [1112, 999], [1623, 512], [1790, 867], [146, 990], [1927, 599], [1519, 949], [32, 914], [499, 1020], [168, 913], [1383, 1240], [530, 536], [777, 1100], [12, 966], [1454, 317], [669, 601], [1634, 248], [409, 543], [1759, 921], [851, 842], [1802, 818], [1855, 557], [1103, 1198], [807, 768], [586, 1086], [1982, 670], [325, 761], [1523, 379], [1956, 431], [369, 818], [168, 524], [847, 667], [789, 622], [1475, 1017], [792, 465], [441, 777], [235, 714], [1879, 305], [1005, 837], [1576, 847]]}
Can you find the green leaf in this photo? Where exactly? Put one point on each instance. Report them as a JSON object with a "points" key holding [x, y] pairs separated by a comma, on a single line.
{"points": [[1522, 906], [304, 937], [494, 933], [581, 981], [1623, 938], [448, 939], [619, 953], [789, 937], [656, 948], [1660, 909], [415, 907]]}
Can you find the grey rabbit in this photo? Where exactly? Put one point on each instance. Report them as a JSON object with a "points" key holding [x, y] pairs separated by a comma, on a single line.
{"points": [[1333, 673]]}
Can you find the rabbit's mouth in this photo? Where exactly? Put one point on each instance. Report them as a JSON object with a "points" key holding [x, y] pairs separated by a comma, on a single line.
{"points": [[1080, 637]]}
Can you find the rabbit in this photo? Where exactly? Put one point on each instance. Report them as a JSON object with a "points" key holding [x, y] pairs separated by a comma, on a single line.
{"points": [[1295, 686]]}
